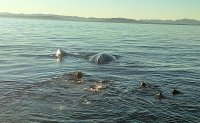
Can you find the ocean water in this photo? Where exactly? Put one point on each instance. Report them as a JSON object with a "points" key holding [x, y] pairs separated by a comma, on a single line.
{"points": [[35, 88]]}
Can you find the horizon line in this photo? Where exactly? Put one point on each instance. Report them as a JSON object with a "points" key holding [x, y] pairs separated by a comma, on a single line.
{"points": [[97, 17]]}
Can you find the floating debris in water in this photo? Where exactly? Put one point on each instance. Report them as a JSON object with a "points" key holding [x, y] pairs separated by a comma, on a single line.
{"points": [[143, 85], [159, 96], [76, 76], [175, 92], [98, 87]]}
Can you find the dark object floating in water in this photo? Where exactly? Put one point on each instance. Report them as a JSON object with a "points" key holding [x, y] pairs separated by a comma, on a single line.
{"points": [[102, 58], [104, 81], [143, 85], [98, 87], [175, 92], [159, 96], [76, 76]]}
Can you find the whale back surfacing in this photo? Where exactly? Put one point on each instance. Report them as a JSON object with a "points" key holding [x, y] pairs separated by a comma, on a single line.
{"points": [[102, 58]]}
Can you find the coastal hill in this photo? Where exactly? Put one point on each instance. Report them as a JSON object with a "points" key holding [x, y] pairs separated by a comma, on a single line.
{"points": [[108, 20]]}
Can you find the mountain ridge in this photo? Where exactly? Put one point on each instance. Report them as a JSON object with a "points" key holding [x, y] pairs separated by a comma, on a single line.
{"points": [[108, 20]]}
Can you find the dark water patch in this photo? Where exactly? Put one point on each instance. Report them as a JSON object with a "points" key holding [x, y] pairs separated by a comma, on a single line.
{"points": [[46, 118], [129, 41], [158, 47], [174, 119], [141, 117], [176, 73], [65, 38], [3, 62], [37, 56]]}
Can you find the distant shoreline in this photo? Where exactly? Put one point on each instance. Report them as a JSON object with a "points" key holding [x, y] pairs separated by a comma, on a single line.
{"points": [[106, 20]]}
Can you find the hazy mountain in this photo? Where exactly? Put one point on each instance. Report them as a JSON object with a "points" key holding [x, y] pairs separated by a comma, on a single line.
{"points": [[177, 22], [92, 19], [187, 21]]}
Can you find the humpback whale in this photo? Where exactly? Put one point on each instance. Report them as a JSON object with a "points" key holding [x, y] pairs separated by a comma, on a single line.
{"points": [[102, 58]]}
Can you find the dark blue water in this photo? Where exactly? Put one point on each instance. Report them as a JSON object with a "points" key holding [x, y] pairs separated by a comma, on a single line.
{"points": [[34, 87]]}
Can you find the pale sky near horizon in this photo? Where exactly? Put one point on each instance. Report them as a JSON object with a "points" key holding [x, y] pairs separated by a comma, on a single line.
{"points": [[134, 9]]}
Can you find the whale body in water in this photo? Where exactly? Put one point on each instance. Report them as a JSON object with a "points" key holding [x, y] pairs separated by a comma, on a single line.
{"points": [[102, 58]]}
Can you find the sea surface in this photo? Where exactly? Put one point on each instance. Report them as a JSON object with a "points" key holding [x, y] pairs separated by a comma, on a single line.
{"points": [[35, 88]]}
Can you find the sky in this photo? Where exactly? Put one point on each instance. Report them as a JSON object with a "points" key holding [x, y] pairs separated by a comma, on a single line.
{"points": [[133, 9]]}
